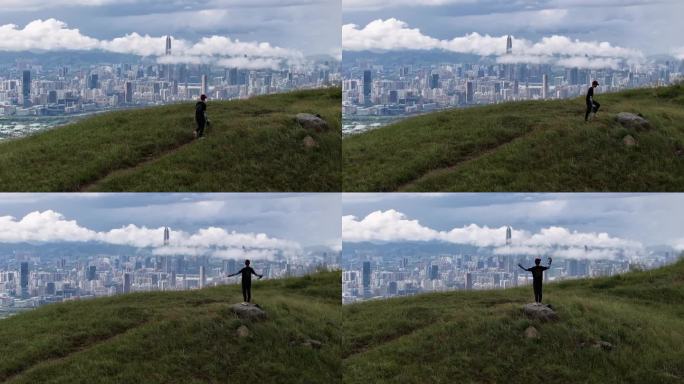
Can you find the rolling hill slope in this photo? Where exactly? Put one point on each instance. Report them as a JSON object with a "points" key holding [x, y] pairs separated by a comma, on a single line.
{"points": [[252, 145], [180, 337], [526, 146], [477, 337]]}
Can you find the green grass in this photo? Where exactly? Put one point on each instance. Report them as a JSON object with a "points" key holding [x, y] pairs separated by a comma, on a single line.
{"points": [[180, 337], [477, 337], [525, 146], [252, 145]]}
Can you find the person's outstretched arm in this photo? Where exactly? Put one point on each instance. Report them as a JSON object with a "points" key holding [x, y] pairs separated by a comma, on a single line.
{"points": [[256, 274], [523, 268], [236, 273]]}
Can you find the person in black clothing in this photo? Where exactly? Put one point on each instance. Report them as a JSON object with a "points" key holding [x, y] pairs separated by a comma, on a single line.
{"points": [[247, 273], [592, 105], [537, 277], [201, 116]]}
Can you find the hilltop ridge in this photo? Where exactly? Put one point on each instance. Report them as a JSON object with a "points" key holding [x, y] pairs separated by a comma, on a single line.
{"points": [[526, 146], [252, 145], [181, 337], [479, 336]]}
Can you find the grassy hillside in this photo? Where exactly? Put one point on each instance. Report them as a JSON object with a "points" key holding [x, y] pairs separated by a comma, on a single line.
{"points": [[525, 146], [253, 145], [477, 337], [181, 337]]}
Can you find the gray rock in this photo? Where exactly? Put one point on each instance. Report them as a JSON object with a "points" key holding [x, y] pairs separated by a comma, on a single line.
{"points": [[309, 142], [243, 331], [531, 333], [540, 312], [249, 311], [314, 344], [630, 120], [629, 141], [314, 122]]}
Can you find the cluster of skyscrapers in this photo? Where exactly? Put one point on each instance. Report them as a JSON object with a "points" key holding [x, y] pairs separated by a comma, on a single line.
{"points": [[30, 280], [30, 89], [374, 90]]}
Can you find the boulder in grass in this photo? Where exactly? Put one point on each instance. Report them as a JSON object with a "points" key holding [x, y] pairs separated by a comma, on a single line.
{"points": [[540, 312], [249, 311], [313, 122], [242, 331], [531, 333], [631, 120], [629, 141], [309, 142], [313, 344]]}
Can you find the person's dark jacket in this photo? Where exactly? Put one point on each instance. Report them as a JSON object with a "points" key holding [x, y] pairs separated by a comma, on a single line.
{"points": [[200, 111]]}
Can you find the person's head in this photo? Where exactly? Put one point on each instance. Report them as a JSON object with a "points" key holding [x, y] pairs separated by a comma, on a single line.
{"points": [[247, 263], [594, 84], [537, 261], [203, 97]]}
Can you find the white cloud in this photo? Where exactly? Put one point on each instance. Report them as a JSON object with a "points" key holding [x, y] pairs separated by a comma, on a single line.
{"points": [[679, 53], [394, 226], [392, 34], [55, 35], [50, 226]]}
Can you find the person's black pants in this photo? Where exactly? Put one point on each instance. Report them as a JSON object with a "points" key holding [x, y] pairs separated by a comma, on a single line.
{"points": [[537, 292], [200, 127], [247, 292], [591, 108]]}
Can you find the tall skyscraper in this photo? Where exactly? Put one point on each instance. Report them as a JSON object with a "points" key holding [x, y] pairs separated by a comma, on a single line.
{"points": [[366, 278], [509, 45], [127, 283], [166, 235], [202, 276], [168, 46], [545, 86], [469, 281], [26, 88], [434, 272], [508, 235], [434, 81], [92, 273], [128, 95], [367, 86], [93, 81], [24, 278], [205, 86], [470, 92]]}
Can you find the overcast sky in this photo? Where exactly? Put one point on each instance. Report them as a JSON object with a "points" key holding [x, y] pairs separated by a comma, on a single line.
{"points": [[287, 222], [649, 26], [628, 221], [303, 27]]}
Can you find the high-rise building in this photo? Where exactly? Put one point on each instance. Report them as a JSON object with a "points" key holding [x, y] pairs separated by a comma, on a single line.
{"points": [[367, 86], [168, 46], [434, 81], [26, 87], [392, 290], [434, 272], [470, 92], [508, 235], [509, 45], [366, 278], [92, 273], [166, 235], [93, 81], [128, 96], [233, 76], [545, 86], [205, 86], [202, 277], [24, 278], [469, 281], [127, 283]]}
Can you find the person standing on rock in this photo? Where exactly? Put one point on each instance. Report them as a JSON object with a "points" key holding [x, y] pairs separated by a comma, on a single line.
{"points": [[592, 105], [201, 116], [247, 273], [537, 277]]}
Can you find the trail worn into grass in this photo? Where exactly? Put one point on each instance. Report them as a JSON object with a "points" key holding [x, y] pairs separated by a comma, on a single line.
{"points": [[525, 146]]}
